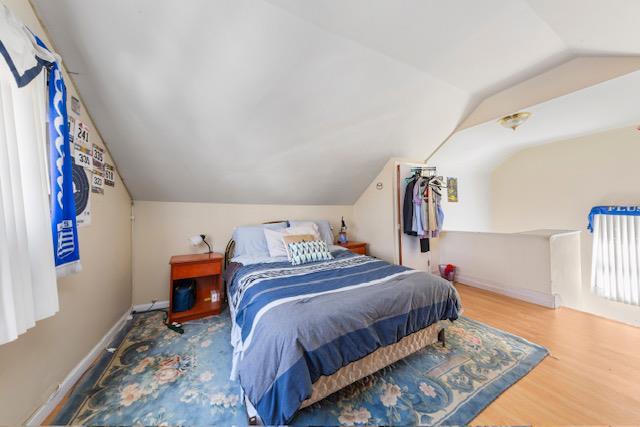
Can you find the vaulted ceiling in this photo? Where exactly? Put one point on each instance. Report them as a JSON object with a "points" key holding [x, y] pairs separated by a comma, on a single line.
{"points": [[608, 105], [302, 102]]}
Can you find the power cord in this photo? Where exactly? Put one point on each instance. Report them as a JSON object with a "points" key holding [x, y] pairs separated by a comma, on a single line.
{"points": [[174, 326]]}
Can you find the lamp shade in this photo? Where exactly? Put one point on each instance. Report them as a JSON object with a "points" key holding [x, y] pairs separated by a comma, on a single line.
{"points": [[196, 240], [199, 239]]}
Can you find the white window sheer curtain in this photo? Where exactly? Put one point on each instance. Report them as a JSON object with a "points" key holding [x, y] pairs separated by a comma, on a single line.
{"points": [[615, 270], [28, 289]]}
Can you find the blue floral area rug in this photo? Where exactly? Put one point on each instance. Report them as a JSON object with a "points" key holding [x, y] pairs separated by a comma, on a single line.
{"points": [[158, 377]]}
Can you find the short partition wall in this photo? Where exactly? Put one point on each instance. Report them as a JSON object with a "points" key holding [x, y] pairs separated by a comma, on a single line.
{"points": [[536, 266]]}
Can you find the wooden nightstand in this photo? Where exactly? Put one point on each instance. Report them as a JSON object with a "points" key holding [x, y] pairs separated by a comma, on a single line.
{"points": [[355, 247], [206, 269]]}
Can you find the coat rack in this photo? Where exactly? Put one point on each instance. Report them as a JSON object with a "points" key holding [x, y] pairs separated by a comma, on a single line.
{"points": [[425, 171]]}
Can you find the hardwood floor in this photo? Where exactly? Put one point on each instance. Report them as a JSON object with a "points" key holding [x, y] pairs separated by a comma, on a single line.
{"points": [[592, 375]]}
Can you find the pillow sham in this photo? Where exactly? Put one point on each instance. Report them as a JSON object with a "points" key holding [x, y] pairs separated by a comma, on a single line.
{"points": [[324, 228], [250, 239], [296, 238], [276, 245], [306, 252]]}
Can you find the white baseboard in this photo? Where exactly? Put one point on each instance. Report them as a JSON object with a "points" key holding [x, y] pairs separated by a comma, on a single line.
{"points": [[145, 307], [535, 297], [63, 388]]}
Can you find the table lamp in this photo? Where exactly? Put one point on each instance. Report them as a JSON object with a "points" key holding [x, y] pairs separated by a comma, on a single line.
{"points": [[199, 239]]}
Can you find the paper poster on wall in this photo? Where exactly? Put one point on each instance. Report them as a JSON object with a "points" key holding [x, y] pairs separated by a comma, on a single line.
{"points": [[98, 159], [82, 156], [82, 195], [97, 182], [75, 105], [72, 130], [452, 190], [109, 175], [82, 134]]}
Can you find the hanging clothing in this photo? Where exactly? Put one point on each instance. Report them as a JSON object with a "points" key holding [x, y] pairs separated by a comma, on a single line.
{"points": [[439, 211], [422, 212], [418, 224], [431, 209], [407, 209]]}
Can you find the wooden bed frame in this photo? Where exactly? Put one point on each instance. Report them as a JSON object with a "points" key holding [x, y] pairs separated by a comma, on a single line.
{"points": [[359, 369]]}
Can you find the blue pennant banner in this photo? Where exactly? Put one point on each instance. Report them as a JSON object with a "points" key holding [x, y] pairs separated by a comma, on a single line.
{"points": [[612, 210], [63, 209]]}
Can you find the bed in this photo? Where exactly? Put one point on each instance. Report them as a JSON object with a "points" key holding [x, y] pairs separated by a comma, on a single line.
{"points": [[301, 333]]}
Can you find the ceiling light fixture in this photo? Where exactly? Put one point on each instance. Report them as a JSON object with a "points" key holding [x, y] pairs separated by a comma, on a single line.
{"points": [[514, 120]]}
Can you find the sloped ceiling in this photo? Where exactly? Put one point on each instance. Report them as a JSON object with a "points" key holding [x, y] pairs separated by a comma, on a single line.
{"points": [[302, 102], [604, 106]]}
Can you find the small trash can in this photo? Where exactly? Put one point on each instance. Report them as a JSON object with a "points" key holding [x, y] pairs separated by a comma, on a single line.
{"points": [[448, 271], [184, 294]]}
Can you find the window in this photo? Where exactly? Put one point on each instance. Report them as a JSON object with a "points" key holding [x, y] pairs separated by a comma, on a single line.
{"points": [[615, 271]]}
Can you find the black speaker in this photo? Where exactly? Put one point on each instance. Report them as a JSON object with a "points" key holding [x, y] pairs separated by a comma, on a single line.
{"points": [[184, 294]]}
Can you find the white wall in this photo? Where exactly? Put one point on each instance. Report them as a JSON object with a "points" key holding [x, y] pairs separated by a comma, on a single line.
{"points": [[90, 302], [373, 213], [555, 185], [472, 212], [529, 266], [162, 229]]}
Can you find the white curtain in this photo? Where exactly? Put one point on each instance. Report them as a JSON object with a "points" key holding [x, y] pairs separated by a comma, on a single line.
{"points": [[615, 271], [28, 290]]}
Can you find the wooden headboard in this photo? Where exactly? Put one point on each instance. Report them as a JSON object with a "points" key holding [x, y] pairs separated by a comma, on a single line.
{"points": [[231, 245]]}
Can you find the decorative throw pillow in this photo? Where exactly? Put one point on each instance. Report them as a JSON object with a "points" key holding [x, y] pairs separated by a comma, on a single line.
{"points": [[296, 238], [304, 252]]}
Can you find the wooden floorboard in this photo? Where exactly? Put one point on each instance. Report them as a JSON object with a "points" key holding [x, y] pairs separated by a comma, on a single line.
{"points": [[591, 377]]}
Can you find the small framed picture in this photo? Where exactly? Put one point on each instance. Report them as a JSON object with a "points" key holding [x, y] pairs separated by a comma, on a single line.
{"points": [[452, 190], [75, 105], [109, 175], [97, 182], [72, 129], [82, 135]]}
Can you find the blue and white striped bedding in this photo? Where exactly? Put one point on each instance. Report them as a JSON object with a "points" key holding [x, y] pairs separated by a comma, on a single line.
{"points": [[295, 324]]}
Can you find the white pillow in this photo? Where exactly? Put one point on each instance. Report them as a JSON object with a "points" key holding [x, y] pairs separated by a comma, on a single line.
{"points": [[324, 228], [250, 239], [275, 243]]}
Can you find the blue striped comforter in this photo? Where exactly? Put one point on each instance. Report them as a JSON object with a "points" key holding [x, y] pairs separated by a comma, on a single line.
{"points": [[295, 324]]}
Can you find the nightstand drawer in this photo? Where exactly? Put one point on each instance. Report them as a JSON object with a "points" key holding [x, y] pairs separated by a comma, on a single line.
{"points": [[362, 250], [186, 271], [355, 247]]}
